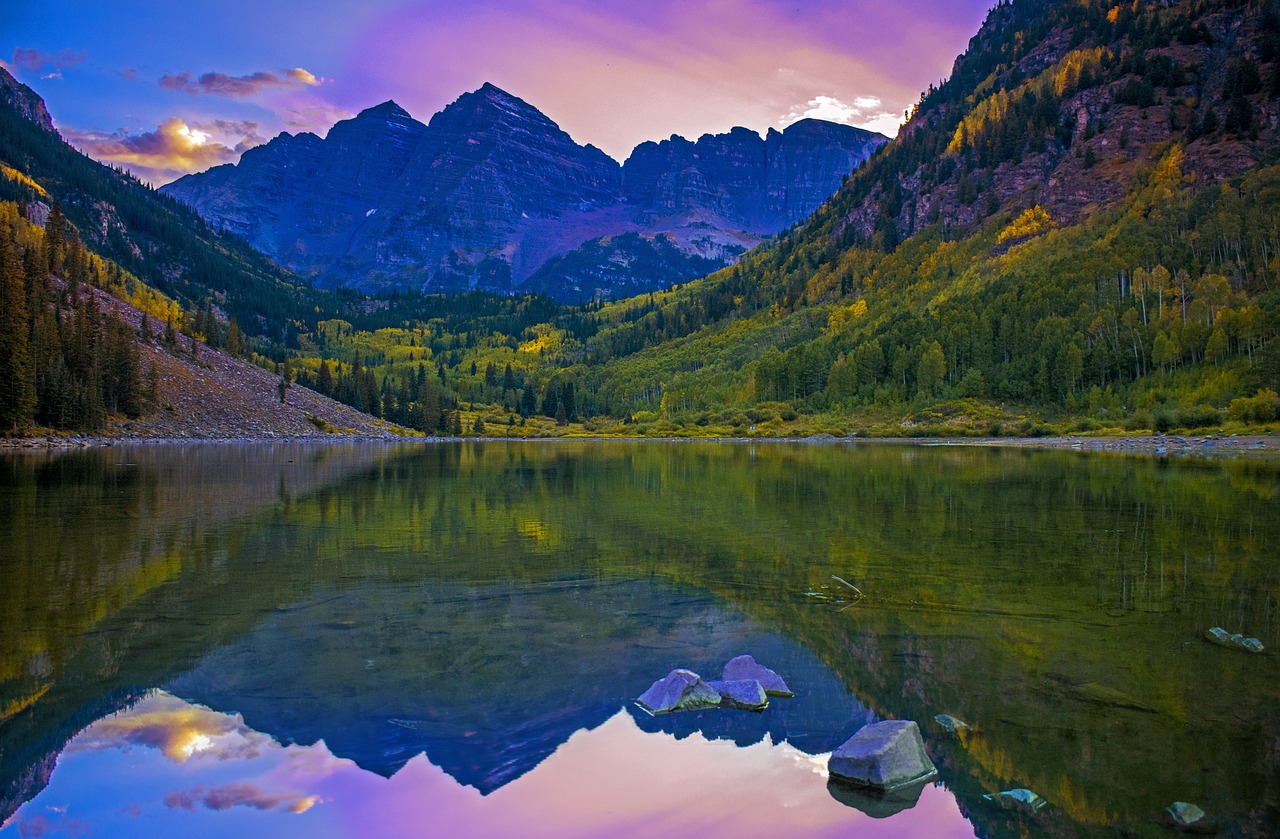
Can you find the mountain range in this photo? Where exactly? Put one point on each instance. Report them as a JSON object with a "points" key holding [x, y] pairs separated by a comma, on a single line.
{"points": [[1076, 231], [492, 195]]}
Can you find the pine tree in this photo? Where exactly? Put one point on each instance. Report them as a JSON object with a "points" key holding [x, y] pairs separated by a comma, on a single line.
{"points": [[55, 229], [324, 378], [17, 379], [235, 340]]}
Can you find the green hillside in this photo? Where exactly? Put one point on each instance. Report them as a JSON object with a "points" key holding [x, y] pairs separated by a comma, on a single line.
{"points": [[1077, 231]]}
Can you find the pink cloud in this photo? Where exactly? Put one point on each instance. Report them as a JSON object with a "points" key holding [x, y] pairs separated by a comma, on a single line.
{"points": [[41, 825], [239, 795], [615, 74], [237, 87], [35, 60]]}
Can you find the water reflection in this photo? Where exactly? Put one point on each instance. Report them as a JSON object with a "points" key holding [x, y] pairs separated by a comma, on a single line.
{"points": [[485, 605], [139, 773], [489, 680]]}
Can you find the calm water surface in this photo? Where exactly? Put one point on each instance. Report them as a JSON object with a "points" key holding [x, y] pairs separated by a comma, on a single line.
{"points": [[444, 639]]}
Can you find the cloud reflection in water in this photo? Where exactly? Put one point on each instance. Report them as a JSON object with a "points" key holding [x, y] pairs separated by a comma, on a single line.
{"points": [[205, 773]]}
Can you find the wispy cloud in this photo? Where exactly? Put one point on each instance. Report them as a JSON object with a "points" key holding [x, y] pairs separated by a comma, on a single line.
{"points": [[239, 795], [238, 87], [40, 825], [36, 61]]}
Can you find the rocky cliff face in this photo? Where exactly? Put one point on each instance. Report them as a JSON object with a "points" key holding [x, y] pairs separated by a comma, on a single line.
{"points": [[491, 190], [24, 100], [1067, 105], [755, 184]]}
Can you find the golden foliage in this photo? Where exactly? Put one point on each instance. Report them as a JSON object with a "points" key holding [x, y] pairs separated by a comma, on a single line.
{"points": [[842, 315], [14, 175], [1058, 79], [1032, 222]]}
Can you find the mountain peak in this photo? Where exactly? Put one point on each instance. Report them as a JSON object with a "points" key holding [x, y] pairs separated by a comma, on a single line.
{"points": [[492, 96], [25, 101], [388, 107], [491, 89]]}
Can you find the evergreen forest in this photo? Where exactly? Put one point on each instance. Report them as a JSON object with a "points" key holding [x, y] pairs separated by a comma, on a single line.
{"points": [[1077, 232]]}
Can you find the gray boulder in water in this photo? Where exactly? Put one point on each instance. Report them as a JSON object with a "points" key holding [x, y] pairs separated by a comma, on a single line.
{"points": [[745, 667], [1185, 815], [952, 725], [883, 756], [1235, 641], [1017, 799], [743, 694], [679, 690]]}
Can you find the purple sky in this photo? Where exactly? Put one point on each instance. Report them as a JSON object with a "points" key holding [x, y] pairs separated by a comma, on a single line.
{"points": [[165, 88]]}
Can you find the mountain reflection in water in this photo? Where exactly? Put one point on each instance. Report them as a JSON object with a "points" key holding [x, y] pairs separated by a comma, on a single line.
{"points": [[166, 767], [352, 639]]}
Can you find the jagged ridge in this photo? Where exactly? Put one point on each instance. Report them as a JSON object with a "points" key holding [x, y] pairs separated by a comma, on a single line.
{"points": [[491, 189]]}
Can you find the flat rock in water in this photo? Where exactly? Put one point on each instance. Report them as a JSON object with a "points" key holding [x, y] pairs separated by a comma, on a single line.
{"points": [[679, 690], [952, 725], [1184, 814], [883, 756], [1017, 799], [745, 667], [1235, 641], [743, 694]]}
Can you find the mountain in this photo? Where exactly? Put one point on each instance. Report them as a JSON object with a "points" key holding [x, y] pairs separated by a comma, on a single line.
{"points": [[24, 101], [1078, 227], [155, 238], [1065, 105], [490, 191]]}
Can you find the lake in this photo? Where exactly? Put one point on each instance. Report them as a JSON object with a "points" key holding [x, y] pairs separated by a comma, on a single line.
{"points": [[377, 640]]}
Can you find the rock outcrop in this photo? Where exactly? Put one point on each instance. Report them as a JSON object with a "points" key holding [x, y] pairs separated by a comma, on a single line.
{"points": [[679, 690], [492, 194], [25, 101], [883, 757], [1021, 800], [740, 694], [746, 667], [1235, 641]]}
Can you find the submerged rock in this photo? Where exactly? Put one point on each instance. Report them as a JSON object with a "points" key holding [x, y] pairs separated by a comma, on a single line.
{"points": [[1017, 799], [745, 667], [1184, 814], [883, 756], [679, 690], [743, 694], [1236, 641], [952, 725]]}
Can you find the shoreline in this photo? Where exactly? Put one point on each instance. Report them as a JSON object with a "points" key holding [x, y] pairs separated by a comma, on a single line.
{"points": [[1158, 445]]}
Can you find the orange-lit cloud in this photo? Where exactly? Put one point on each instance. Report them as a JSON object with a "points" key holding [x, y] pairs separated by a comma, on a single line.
{"points": [[237, 87], [179, 730], [239, 795], [172, 150]]}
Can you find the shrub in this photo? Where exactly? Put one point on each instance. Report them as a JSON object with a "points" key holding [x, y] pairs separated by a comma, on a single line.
{"points": [[1198, 416], [1264, 406]]}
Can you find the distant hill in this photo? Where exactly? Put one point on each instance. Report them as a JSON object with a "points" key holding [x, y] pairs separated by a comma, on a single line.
{"points": [[491, 190]]}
